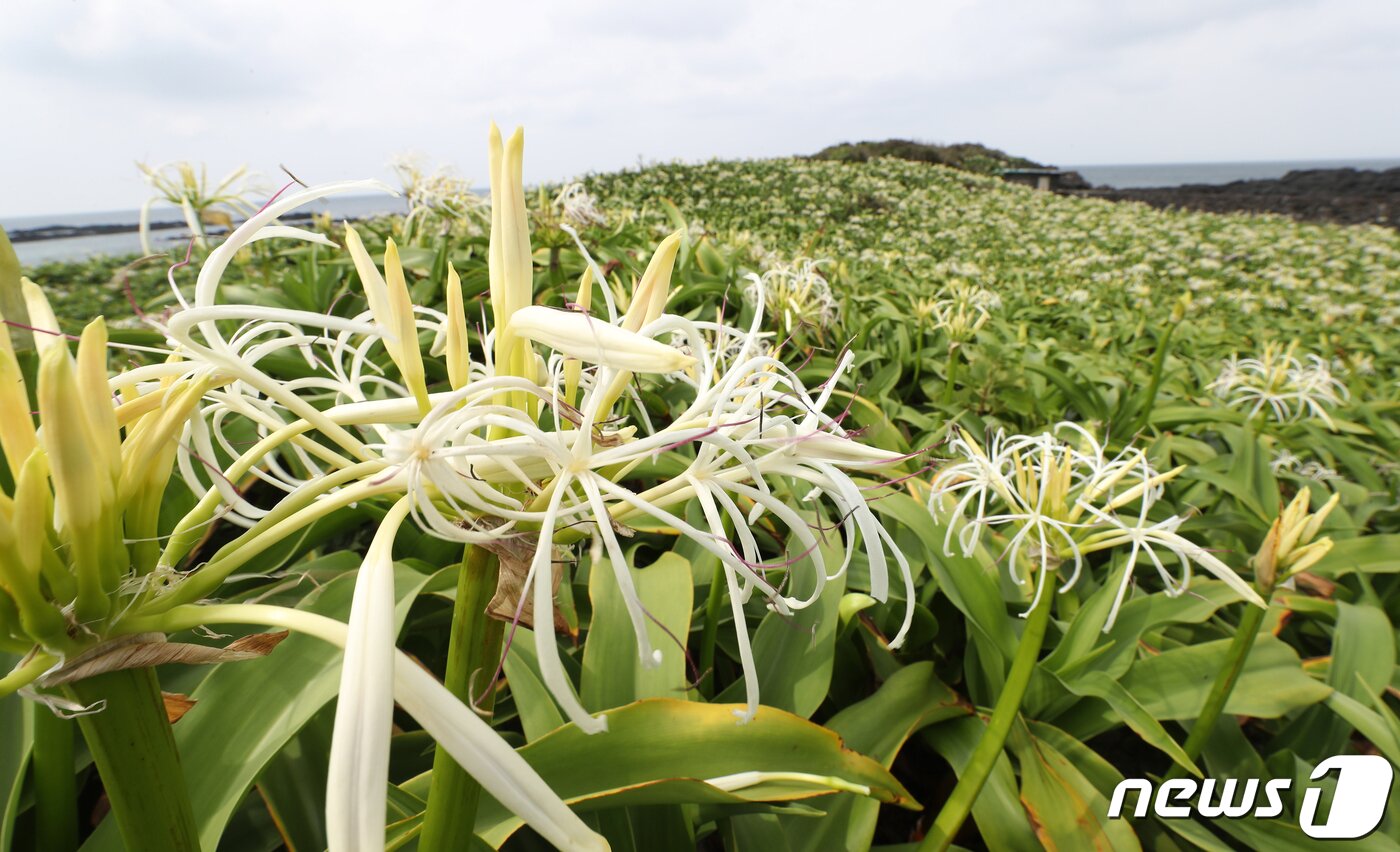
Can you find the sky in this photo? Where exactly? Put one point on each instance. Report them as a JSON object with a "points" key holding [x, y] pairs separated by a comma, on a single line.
{"points": [[334, 90]]}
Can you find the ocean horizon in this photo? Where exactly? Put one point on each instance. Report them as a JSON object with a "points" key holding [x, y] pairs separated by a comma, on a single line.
{"points": [[1114, 175], [1145, 175]]}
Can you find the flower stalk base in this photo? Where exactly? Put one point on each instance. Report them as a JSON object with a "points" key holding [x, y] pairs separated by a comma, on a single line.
{"points": [[134, 749], [472, 655]]}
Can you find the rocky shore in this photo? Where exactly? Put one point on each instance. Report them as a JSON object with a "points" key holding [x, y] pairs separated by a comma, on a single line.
{"points": [[57, 232], [1344, 196]]}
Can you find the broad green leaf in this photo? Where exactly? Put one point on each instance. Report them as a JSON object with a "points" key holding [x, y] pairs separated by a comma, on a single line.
{"points": [[1100, 685], [1174, 684], [660, 752], [965, 580], [1382, 731], [539, 714], [1372, 554], [878, 727], [1137, 617], [1068, 811], [293, 785], [658, 740], [793, 653], [757, 833], [613, 673], [1363, 652]]}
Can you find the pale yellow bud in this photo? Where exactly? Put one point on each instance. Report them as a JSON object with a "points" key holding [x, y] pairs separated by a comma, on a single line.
{"points": [[586, 338], [458, 354], [17, 439]]}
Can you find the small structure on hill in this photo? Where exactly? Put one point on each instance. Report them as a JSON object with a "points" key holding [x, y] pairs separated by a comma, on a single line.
{"points": [[1040, 178]]}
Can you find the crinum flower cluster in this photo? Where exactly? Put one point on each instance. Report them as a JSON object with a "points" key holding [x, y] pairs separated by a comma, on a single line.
{"points": [[796, 291], [959, 311], [187, 187], [440, 192], [1053, 502], [1281, 384], [525, 446], [578, 207]]}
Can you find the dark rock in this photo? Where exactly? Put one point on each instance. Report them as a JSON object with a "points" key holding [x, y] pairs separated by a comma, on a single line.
{"points": [[1344, 196]]}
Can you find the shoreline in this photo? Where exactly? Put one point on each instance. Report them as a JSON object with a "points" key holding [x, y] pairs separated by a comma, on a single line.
{"points": [[64, 232], [1343, 196]]}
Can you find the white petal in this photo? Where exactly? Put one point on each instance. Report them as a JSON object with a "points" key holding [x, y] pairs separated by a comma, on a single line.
{"points": [[472, 743], [359, 762]]}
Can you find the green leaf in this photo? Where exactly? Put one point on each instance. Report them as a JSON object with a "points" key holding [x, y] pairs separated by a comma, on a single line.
{"points": [[659, 751], [16, 741], [1383, 731], [878, 727], [1100, 685], [664, 740], [1174, 684], [793, 653], [293, 785], [613, 673], [1372, 554], [539, 714], [967, 583], [1363, 652], [1068, 811]]}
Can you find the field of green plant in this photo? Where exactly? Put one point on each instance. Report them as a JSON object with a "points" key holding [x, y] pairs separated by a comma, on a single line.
{"points": [[771, 505]]}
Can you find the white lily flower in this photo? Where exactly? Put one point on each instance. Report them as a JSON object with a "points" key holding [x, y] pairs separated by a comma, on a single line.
{"points": [[1277, 381], [520, 447], [1056, 502]]}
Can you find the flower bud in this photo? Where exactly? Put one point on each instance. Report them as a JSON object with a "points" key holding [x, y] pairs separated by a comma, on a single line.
{"points": [[86, 512], [578, 335], [17, 439]]}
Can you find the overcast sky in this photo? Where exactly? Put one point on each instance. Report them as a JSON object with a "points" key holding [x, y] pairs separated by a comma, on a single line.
{"points": [[89, 86]]}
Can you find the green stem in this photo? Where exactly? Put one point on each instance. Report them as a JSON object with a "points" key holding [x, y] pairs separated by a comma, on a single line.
{"points": [[55, 786], [1159, 362], [979, 767], [713, 605], [950, 376], [1225, 680], [134, 749], [474, 648]]}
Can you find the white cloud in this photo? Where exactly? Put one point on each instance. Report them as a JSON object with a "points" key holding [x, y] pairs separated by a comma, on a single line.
{"points": [[333, 90]]}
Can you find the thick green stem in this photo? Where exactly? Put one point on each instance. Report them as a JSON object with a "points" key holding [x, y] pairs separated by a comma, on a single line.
{"points": [[950, 376], [474, 649], [974, 776], [134, 749], [1225, 680], [55, 786], [710, 633]]}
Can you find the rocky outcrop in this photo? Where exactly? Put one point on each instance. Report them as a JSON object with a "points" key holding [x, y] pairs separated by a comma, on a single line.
{"points": [[1344, 196]]}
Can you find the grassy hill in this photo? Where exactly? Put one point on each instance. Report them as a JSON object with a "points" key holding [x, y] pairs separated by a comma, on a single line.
{"points": [[968, 156]]}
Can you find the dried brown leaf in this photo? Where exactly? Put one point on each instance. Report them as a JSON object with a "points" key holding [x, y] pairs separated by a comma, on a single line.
{"points": [[176, 705], [151, 649]]}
